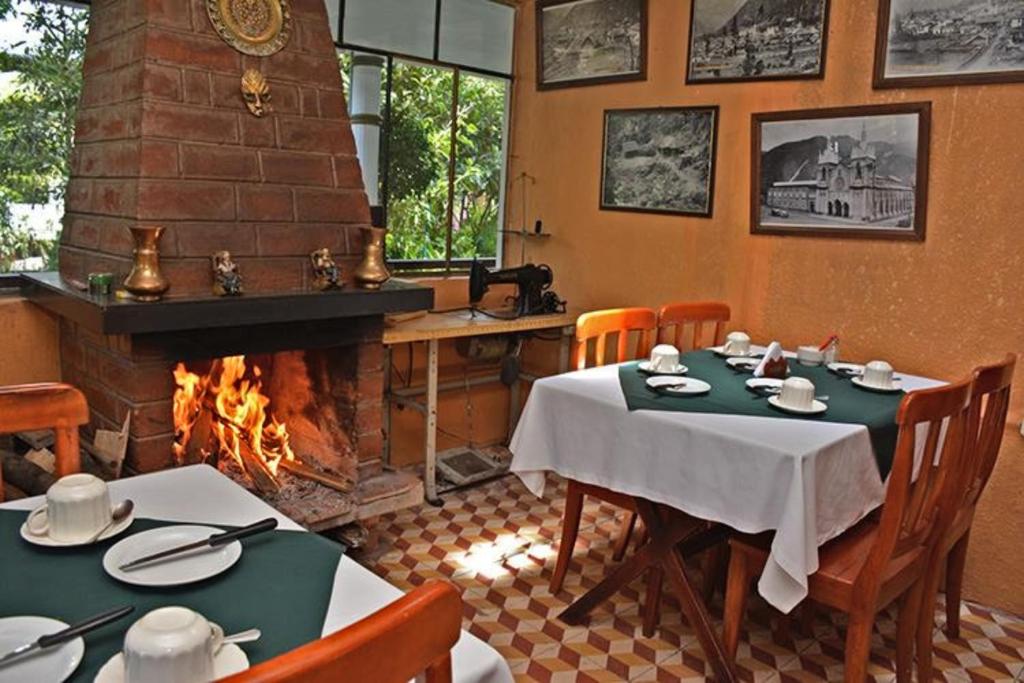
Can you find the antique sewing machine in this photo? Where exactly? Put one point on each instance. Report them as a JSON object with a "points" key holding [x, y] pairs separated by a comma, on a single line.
{"points": [[533, 284]]}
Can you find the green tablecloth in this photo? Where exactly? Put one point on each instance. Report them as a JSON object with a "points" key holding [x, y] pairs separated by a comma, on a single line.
{"points": [[282, 585], [729, 395]]}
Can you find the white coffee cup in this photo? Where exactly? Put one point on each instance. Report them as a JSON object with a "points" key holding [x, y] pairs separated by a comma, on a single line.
{"points": [[664, 358], [797, 393], [77, 506], [810, 355], [878, 374], [171, 645], [737, 344]]}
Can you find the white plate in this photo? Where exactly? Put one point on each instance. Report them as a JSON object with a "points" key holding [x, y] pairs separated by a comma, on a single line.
{"points": [[720, 351], [172, 571], [741, 363], [691, 386], [846, 368], [52, 664], [230, 660], [48, 542], [764, 383], [897, 385], [645, 366], [816, 407]]}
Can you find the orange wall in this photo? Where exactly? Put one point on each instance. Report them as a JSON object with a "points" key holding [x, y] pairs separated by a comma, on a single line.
{"points": [[29, 352], [936, 308]]}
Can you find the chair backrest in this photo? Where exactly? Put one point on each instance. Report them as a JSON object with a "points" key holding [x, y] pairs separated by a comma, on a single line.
{"points": [[25, 407], [990, 401], [915, 508], [618, 321], [410, 636], [696, 314]]}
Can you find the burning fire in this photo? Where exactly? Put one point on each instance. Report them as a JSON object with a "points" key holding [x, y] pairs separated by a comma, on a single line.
{"points": [[239, 419]]}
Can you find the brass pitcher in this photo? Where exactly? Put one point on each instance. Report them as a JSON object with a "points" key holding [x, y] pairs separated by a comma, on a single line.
{"points": [[372, 272], [145, 281]]}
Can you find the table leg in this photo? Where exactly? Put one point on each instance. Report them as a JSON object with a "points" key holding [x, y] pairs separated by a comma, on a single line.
{"points": [[692, 604], [564, 347], [514, 398], [430, 437], [386, 416], [672, 535]]}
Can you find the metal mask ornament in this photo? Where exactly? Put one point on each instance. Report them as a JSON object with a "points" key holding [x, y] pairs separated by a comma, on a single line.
{"points": [[326, 274], [227, 281], [256, 92], [253, 27]]}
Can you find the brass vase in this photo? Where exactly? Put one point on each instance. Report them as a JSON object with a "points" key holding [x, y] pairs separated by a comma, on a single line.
{"points": [[146, 282], [372, 272]]}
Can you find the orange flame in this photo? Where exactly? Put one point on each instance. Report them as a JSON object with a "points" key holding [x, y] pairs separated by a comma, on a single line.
{"points": [[240, 408]]}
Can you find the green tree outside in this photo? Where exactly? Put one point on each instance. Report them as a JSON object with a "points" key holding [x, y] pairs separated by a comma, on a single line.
{"points": [[37, 116]]}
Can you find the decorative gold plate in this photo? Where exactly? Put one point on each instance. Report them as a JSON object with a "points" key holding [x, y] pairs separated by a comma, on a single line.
{"points": [[253, 27]]}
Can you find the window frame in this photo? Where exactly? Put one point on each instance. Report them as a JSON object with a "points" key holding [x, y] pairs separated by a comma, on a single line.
{"points": [[448, 265]]}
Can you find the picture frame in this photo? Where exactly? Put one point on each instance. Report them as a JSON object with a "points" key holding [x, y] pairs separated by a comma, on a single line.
{"points": [[859, 172], [728, 42], [590, 42], [927, 56], [660, 160]]}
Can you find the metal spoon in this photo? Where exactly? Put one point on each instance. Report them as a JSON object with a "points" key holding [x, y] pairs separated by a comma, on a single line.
{"points": [[120, 512], [246, 636]]}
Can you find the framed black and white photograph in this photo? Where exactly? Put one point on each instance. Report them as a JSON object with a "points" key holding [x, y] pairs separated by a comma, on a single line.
{"points": [[846, 172], [660, 160], [949, 42], [588, 42], [756, 40]]}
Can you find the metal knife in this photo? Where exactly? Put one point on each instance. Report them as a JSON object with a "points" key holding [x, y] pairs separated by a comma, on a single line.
{"points": [[70, 633], [214, 541]]}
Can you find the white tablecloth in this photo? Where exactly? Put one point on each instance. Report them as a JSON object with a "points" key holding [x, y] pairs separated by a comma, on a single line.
{"points": [[807, 480], [201, 494]]}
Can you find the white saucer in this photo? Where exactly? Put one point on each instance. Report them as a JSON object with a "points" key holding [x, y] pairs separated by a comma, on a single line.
{"points": [[720, 351], [691, 386], [645, 366], [229, 660], [52, 664], [846, 369], [816, 407], [742, 363], [896, 386], [764, 383], [172, 571], [48, 542]]}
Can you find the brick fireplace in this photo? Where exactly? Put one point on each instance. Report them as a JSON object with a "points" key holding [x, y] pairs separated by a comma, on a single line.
{"points": [[163, 137]]}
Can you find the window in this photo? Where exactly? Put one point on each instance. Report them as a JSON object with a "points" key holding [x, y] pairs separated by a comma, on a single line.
{"points": [[432, 141], [41, 50]]}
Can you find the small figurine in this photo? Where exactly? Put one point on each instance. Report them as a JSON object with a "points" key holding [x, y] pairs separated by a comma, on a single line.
{"points": [[326, 274], [227, 281]]}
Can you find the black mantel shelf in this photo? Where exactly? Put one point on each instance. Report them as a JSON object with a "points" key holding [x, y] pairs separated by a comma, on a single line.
{"points": [[110, 315]]}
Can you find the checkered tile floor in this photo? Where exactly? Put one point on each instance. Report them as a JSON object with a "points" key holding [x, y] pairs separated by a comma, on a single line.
{"points": [[497, 543]]}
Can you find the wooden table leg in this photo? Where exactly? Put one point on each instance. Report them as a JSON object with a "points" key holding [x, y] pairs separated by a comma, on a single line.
{"points": [[692, 604], [430, 437], [672, 535]]}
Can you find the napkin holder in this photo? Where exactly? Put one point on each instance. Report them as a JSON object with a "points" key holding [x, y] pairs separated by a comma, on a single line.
{"points": [[776, 368]]}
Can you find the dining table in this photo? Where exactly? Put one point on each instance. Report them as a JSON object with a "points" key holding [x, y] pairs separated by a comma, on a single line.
{"points": [[271, 594], [725, 458]]}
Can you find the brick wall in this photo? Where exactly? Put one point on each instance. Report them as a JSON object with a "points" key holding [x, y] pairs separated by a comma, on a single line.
{"points": [[163, 137]]}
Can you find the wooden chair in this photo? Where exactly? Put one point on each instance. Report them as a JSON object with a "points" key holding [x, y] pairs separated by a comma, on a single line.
{"points": [[26, 407], [693, 315], [412, 635], [990, 401], [885, 557], [598, 326]]}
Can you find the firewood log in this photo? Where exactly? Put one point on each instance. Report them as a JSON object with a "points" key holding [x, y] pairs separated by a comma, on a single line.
{"points": [[258, 470], [25, 475]]}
